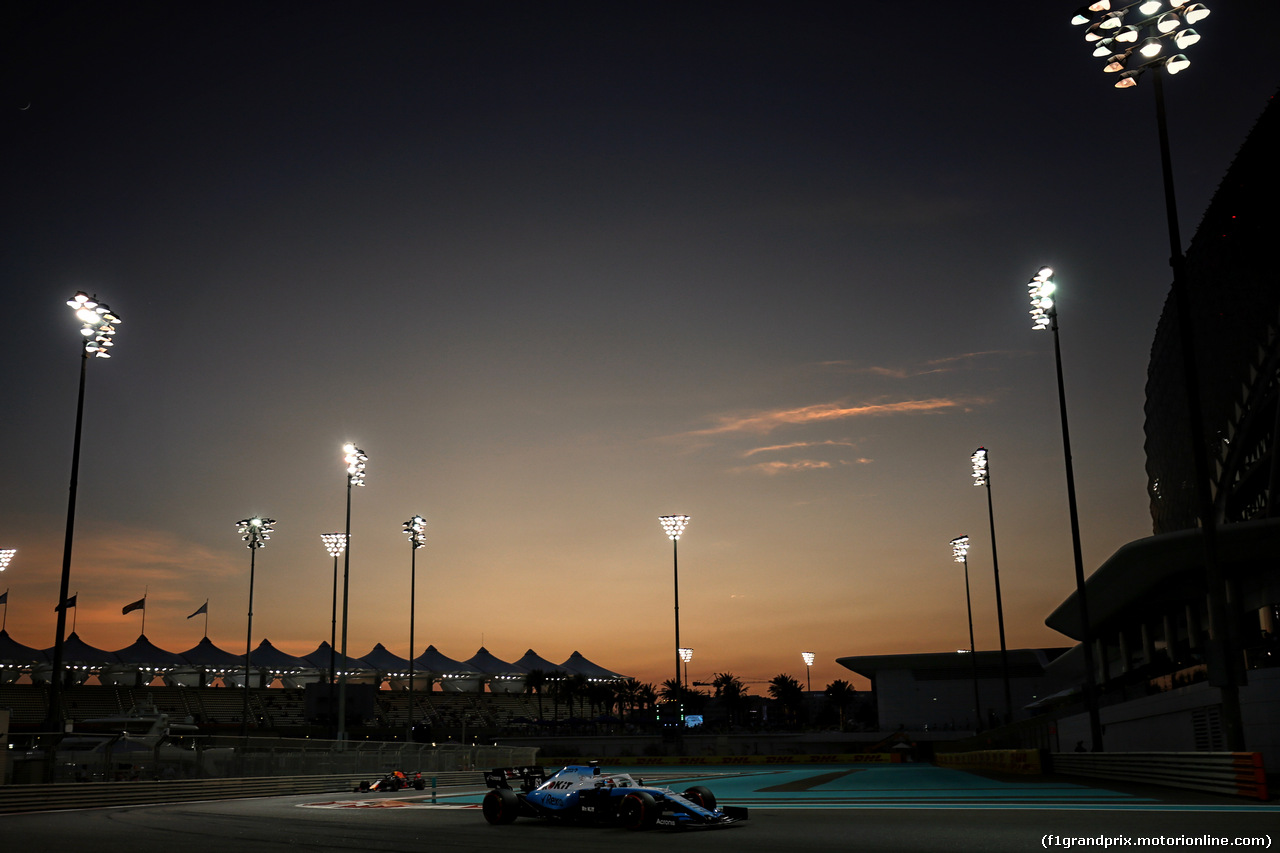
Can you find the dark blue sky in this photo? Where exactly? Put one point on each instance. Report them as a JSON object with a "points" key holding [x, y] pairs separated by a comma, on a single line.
{"points": [[562, 268]]}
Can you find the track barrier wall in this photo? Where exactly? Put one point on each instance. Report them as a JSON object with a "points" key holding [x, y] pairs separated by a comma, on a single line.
{"points": [[1238, 774]]}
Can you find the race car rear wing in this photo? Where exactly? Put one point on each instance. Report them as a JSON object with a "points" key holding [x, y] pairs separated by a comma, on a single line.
{"points": [[529, 777]]}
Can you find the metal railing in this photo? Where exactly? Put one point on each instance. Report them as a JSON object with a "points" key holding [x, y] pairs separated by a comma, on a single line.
{"points": [[1239, 774], [78, 795], [47, 759]]}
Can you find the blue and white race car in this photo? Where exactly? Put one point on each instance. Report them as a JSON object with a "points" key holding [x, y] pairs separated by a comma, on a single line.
{"points": [[583, 793]]}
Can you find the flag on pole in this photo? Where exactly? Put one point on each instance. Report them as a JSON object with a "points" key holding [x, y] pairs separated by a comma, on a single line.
{"points": [[140, 604], [204, 608], [4, 597], [70, 602]]}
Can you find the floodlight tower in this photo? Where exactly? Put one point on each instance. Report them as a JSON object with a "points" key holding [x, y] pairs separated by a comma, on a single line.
{"points": [[98, 327], [356, 461], [686, 655], [416, 529], [1044, 315], [673, 526], [1152, 29], [960, 553], [982, 477], [335, 544], [255, 532]]}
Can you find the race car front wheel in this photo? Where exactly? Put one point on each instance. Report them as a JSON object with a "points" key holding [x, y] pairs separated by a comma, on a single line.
{"points": [[501, 805], [701, 795], [638, 810]]}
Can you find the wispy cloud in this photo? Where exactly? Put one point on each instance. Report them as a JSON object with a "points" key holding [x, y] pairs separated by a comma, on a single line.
{"points": [[768, 421], [779, 467], [948, 364], [795, 445]]}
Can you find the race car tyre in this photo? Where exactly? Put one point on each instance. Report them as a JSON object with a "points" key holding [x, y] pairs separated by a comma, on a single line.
{"points": [[501, 805], [420, 784], [638, 810], [702, 796]]}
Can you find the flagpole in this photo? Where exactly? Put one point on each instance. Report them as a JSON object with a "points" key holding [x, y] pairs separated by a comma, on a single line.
{"points": [[74, 615], [206, 619], [144, 611], [6, 609]]}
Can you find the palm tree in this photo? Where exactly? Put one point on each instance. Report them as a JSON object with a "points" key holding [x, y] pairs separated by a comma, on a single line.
{"points": [[534, 682], [555, 679], [729, 689], [789, 693], [672, 690], [627, 694], [646, 697], [840, 694]]}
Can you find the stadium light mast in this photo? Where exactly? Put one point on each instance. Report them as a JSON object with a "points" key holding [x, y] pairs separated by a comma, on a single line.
{"points": [[673, 526], [416, 529], [1044, 315], [6, 554], [1152, 30], [686, 655], [335, 544], [356, 461], [960, 553], [808, 657], [255, 532], [98, 327], [982, 477]]}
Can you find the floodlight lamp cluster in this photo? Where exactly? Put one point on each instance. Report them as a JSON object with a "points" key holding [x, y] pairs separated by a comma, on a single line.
{"points": [[99, 324], [960, 548], [416, 529], [1118, 42], [6, 554], [1040, 289], [808, 658], [686, 655], [334, 543], [356, 460], [674, 525], [255, 531], [980, 466]]}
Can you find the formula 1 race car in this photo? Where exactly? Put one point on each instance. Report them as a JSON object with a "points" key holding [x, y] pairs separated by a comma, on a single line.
{"points": [[394, 781], [582, 793]]}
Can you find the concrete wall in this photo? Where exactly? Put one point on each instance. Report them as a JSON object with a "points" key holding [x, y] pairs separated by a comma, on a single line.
{"points": [[1167, 722]]}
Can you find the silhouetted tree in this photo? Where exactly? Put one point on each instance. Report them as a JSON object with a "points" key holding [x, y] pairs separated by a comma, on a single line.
{"points": [[841, 695], [789, 693], [535, 682]]}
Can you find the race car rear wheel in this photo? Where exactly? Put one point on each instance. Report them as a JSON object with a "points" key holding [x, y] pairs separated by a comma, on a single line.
{"points": [[501, 805], [702, 796], [638, 810]]}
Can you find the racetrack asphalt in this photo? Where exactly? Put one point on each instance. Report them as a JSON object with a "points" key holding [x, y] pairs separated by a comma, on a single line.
{"points": [[904, 807]]}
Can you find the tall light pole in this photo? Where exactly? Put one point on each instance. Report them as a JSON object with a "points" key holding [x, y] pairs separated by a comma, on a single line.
{"points": [[255, 532], [1149, 34], [808, 657], [416, 529], [960, 552], [356, 460], [6, 555], [1044, 315], [673, 526], [335, 544], [686, 655], [982, 477], [98, 327]]}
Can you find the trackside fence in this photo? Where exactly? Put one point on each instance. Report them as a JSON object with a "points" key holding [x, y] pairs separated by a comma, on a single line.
{"points": [[78, 795], [50, 759], [1238, 774]]}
